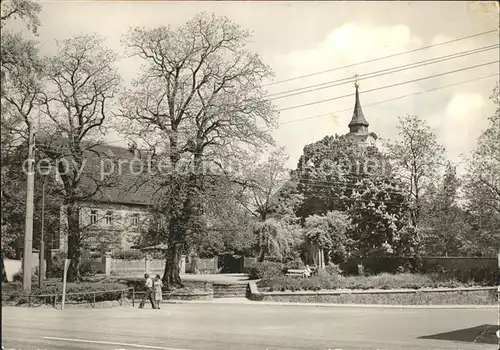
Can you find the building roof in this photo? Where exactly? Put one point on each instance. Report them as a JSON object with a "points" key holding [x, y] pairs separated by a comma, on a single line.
{"points": [[357, 117], [132, 186], [129, 184]]}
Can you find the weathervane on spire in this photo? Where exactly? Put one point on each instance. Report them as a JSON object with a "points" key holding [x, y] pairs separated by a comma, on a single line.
{"points": [[356, 84]]}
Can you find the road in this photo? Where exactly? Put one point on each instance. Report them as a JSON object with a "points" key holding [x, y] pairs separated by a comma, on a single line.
{"points": [[226, 326]]}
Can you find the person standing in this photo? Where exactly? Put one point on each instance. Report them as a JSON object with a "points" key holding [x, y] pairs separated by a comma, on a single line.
{"points": [[149, 292], [157, 286]]}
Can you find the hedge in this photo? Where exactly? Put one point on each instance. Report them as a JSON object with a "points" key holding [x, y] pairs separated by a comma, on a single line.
{"points": [[108, 291], [325, 281], [266, 269]]}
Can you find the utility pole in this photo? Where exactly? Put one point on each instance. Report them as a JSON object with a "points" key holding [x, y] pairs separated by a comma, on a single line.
{"points": [[41, 254], [28, 234]]}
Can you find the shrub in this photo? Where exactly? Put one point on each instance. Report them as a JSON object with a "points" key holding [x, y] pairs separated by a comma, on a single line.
{"points": [[334, 270], [57, 267], [18, 276], [128, 255], [266, 269], [484, 276], [95, 255], [281, 283], [295, 264]]}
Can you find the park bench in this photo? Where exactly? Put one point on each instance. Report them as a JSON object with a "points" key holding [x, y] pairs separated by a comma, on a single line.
{"points": [[300, 272]]}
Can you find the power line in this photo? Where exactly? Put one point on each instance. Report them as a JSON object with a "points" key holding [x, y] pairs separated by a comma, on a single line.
{"points": [[389, 86], [384, 57], [382, 72], [393, 99], [365, 105]]}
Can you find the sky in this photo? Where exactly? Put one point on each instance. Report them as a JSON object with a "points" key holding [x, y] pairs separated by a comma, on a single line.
{"points": [[302, 38]]}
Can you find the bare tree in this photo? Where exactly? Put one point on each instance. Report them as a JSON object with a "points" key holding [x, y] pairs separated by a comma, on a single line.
{"points": [[21, 83], [82, 82], [25, 10], [21, 68], [198, 100], [263, 182]]}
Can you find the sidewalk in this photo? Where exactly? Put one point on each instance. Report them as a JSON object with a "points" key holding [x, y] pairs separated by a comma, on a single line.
{"points": [[245, 301]]}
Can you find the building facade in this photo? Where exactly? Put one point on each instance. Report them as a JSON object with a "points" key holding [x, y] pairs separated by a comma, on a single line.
{"points": [[114, 217]]}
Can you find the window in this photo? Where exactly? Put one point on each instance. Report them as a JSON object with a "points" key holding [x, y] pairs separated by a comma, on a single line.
{"points": [[135, 219], [93, 216], [108, 219]]}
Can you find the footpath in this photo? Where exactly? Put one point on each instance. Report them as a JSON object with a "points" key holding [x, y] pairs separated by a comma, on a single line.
{"points": [[245, 301]]}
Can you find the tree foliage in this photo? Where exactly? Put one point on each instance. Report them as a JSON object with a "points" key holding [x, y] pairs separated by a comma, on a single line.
{"points": [[444, 223], [25, 10], [19, 85], [82, 81], [380, 215], [416, 157], [328, 169], [330, 233], [276, 239], [482, 186]]}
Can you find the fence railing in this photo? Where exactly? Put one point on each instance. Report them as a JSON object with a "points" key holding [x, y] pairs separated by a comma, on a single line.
{"points": [[54, 297]]}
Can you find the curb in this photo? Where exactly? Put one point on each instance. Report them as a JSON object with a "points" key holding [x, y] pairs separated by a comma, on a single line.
{"points": [[368, 306]]}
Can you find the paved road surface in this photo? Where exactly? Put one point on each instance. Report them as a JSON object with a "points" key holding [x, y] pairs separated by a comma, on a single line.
{"points": [[225, 326]]}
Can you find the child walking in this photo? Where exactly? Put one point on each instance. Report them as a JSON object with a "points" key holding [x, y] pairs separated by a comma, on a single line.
{"points": [[157, 285]]}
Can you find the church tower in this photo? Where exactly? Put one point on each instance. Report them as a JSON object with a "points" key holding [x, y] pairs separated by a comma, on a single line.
{"points": [[358, 127]]}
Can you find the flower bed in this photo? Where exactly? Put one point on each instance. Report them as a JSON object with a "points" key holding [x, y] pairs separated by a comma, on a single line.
{"points": [[325, 281]]}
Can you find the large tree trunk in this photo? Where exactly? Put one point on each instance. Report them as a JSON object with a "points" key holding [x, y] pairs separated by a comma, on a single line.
{"points": [[171, 276], [179, 226], [4, 273], [262, 254], [74, 249]]}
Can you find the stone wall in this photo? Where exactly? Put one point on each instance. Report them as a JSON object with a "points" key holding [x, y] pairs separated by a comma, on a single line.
{"points": [[440, 296], [120, 267], [203, 266]]}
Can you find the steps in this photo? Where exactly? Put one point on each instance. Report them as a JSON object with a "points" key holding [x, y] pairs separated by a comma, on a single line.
{"points": [[229, 290]]}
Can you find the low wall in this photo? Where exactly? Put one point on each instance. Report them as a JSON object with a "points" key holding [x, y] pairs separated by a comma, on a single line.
{"points": [[12, 267], [203, 266], [440, 296], [120, 267]]}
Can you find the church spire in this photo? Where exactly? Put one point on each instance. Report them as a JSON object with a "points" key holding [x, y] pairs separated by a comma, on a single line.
{"points": [[358, 122]]}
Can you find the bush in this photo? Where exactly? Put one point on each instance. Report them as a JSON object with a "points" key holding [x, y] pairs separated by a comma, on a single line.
{"points": [[334, 270], [57, 267], [266, 269], [128, 255], [18, 276], [295, 264], [487, 276]]}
